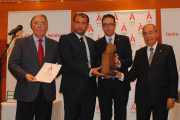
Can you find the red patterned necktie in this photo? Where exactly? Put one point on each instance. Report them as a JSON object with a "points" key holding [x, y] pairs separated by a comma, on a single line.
{"points": [[40, 52]]}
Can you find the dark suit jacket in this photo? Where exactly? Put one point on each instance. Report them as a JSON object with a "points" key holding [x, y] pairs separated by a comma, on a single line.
{"points": [[75, 70], [159, 80], [24, 59], [123, 49]]}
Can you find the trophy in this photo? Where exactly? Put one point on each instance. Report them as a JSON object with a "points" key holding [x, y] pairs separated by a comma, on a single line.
{"points": [[108, 60]]}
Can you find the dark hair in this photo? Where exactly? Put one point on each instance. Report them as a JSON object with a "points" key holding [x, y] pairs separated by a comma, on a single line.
{"points": [[155, 28], [82, 15], [108, 15], [36, 16]]}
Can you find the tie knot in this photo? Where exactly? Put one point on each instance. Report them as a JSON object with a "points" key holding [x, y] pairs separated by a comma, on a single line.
{"points": [[40, 40], [110, 39], [151, 49], [81, 38]]}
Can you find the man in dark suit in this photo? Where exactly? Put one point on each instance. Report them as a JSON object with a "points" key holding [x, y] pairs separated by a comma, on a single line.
{"points": [[110, 88], [78, 83], [25, 61], [157, 77]]}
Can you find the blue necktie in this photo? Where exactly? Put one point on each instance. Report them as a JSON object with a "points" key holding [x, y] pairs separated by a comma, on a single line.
{"points": [[110, 39]]}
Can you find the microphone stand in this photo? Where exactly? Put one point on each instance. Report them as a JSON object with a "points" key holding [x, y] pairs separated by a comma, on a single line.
{"points": [[1, 57]]}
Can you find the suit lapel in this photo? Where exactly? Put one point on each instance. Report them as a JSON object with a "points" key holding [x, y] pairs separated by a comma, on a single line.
{"points": [[145, 56], [156, 54], [104, 44], [48, 48], [79, 43], [33, 48]]}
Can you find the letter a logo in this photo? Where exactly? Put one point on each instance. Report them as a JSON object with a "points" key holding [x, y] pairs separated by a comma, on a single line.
{"points": [[149, 16], [50, 68], [124, 28], [133, 106], [99, 37], [132, 38], [115, 16], [90, 28], [99, 17], [132, 16], [140, 27]]}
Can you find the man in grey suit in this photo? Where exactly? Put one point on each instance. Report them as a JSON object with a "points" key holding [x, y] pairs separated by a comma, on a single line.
{"points": [[26, 59]]}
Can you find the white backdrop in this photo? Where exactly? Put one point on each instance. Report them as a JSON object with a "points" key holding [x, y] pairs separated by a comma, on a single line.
{"points": [[170, 26], [129, 23], [59, 22]]}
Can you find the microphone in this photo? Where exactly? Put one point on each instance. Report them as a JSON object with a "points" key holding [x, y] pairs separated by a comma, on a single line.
{"points": [[15, 30]]}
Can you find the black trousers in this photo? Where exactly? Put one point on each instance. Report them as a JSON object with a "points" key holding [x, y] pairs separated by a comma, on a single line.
{"points": [[81, 106], [110, 91], [40, 108], [159, 111]]}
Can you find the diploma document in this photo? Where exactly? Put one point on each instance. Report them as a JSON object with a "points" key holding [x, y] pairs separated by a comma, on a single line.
{"points": [[48, 72]]}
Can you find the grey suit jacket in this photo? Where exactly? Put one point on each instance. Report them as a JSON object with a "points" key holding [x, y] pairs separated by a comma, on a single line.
{"points": [[24, 59]]}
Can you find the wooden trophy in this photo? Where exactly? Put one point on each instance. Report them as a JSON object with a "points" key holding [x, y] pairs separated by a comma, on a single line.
{"points": [[108, 60]]}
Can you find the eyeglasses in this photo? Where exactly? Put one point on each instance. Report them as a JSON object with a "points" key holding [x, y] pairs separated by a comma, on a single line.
{"points": [[41, 23], [110, 24], [146, 33]]}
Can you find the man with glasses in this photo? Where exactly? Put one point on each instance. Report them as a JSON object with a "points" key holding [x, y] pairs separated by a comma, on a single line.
{"points": [[111, 89], [157, 77], [26, 59]]}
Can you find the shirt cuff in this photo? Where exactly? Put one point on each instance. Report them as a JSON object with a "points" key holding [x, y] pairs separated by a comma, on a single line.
{"points": [[122, 77], [90, 75], [119, 65]]}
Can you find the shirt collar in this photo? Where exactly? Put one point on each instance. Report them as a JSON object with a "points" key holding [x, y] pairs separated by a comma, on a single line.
{"points": [[78, 35], [154, 46], [107, 38], [36, 39]]}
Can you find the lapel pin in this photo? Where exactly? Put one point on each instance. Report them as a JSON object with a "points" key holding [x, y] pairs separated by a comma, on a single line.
{"points": [[160, 51], [117, 39]]}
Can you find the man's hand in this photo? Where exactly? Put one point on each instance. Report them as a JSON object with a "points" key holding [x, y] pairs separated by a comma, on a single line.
{"points": [[108, 76], [96, 73], [118, 74], [170, 103], [30, 78], [116, 60]]}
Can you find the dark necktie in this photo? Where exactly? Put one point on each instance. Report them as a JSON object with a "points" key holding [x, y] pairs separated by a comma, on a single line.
{"points": [[40, 52], [83, 44], [151, 55]]}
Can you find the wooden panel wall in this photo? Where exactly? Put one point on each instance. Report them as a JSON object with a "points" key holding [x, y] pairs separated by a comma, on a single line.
{"points": [[76, 6]]}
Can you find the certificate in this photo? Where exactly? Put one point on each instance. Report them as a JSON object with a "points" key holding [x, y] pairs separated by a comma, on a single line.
{"points": [[48, 72]]}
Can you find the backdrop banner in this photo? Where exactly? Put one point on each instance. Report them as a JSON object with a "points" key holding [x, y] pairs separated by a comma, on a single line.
{"points": [[129, 23], [170, 27]]}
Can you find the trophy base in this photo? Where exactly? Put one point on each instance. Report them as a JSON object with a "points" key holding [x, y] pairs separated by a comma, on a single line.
{"points": [[108, 64]]}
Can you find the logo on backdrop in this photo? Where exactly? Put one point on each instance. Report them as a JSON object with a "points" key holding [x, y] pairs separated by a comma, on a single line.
{"points": [[124, 29], [132, 19], [133, 109], [133, 41], [116, 18], [98, 37], [90, 31], [149, 18], [99, 20], [140, 27]]}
